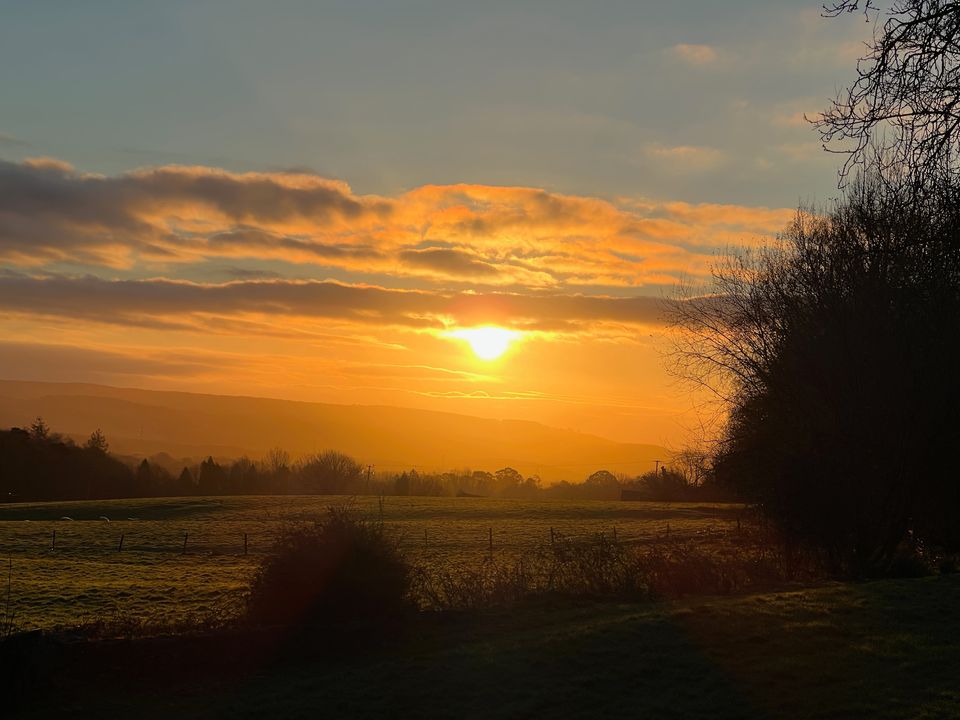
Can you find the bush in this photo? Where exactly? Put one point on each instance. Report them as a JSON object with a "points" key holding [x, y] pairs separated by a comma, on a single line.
{"points": [[336, 570]]}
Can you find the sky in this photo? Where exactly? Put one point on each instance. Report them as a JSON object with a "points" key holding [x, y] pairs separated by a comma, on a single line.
{"points": [[314, 200]]}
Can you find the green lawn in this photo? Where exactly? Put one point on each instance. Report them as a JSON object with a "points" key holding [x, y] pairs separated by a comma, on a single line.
{"points": [[885, 649]]}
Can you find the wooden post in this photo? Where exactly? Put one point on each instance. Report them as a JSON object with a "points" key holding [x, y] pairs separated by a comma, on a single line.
{"points": [[668, 529], [424, 538], [551, 536], [53, 543], [184, 544], [244, 543], [491, 541], [614, 533], [120, 546]]}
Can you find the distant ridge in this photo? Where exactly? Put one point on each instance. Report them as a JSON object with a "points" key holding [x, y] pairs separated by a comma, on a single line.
{"points": [[146, 422]]}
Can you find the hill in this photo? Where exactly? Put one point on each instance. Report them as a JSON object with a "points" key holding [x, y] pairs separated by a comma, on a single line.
{"points": [[192, 425]]}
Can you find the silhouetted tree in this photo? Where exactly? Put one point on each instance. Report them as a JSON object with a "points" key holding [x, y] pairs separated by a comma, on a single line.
{"points": [[243, 478], [97, 441], [602, 484], [695, 464], [508, 481], [834, 351], [481, 483], [402, 484], [666, 485], [145, 478], [277, 462], [906, 98], [40, 466], [211, 477], [330, 473], [39, 430], [185, 483]]}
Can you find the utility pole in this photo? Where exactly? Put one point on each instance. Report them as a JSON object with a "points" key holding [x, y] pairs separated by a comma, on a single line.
{"points": [[369, 473], [656, 467]]}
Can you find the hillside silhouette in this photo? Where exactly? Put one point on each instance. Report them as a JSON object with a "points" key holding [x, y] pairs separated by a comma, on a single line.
{"points": [[147, 422]]}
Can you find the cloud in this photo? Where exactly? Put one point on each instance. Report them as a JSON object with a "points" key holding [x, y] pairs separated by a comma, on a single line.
{"points": [[167, 219], [685, 158], [238, 273], [167, 304], [695, 55], [448, 261], [49, 212]]}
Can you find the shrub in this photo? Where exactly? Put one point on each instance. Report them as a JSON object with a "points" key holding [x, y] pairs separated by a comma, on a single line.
{"points": [[601, 568], [335, 570]]}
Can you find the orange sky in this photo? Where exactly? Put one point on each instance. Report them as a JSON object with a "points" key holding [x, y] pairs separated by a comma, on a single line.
{"points": [[291, 285], [311, 200]]}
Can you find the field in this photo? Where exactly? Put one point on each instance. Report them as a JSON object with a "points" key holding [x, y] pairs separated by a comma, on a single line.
{"points": [[877, 650], [882, 649], [183, 558]]}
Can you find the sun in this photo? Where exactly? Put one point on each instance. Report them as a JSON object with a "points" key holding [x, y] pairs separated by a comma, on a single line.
{"points": [[487, 343]]}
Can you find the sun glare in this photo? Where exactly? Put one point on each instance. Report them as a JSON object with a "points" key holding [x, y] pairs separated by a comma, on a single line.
{"points": [[487, 343]]}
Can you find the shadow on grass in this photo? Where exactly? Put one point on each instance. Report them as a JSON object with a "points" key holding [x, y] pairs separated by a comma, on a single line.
{"points": [[884, 649]]}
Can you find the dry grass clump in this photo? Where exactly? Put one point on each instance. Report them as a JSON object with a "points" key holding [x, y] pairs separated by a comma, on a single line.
{"points": [[602, 568]]}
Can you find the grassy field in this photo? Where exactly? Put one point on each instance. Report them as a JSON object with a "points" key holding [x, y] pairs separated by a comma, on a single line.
{"points": [[86, 576], [884, 649]]}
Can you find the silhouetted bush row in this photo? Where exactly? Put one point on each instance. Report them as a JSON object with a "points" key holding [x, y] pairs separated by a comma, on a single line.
{"points": [[37, 465], [344, 571]]}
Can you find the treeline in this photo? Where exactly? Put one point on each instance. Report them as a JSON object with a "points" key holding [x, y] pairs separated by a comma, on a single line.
{"points": [[38, 465]]}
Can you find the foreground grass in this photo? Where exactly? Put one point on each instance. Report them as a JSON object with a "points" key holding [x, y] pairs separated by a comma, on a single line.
{"points": [[884, 649]]}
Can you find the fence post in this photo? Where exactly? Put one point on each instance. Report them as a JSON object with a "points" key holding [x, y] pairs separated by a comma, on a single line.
{"points": [[53, 542], [551, 536], [184, 544], [244, 543], [424, 538], [491, 541], [120, 546], [614, 533]]}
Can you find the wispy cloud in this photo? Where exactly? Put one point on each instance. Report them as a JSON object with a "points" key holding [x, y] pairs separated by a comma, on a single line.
{"points": [[695, 55], [685, 158]]}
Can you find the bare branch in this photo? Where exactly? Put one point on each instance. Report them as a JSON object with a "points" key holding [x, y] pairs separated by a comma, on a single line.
{"points": [[905, 101]]}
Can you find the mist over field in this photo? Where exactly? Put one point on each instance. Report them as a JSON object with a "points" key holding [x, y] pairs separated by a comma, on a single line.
{"points": [[188, 425]]}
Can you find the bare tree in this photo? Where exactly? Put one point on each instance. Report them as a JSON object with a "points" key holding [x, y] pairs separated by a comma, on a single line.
{"points": [[905, 102]]}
